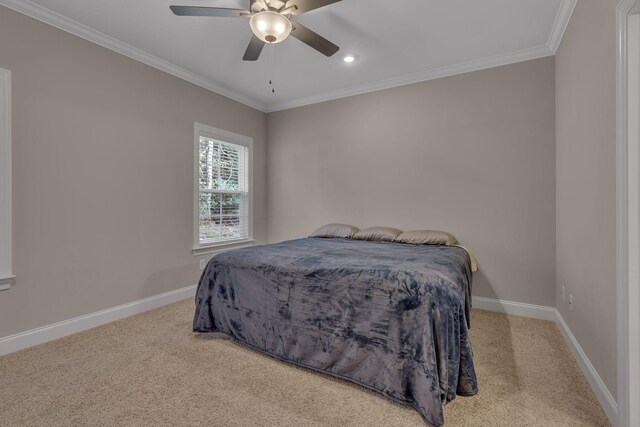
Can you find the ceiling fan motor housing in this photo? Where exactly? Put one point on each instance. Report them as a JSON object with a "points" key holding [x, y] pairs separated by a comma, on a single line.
{"points": [[270, 26]]}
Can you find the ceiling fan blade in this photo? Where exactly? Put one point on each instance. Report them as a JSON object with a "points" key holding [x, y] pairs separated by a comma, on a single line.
{"points": [[314, 40], [264, 4], [305, 6], [253, 50], [289, 10], [207, 11], [256, 6]]}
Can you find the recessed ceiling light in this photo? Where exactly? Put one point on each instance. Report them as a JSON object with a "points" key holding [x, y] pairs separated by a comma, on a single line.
{"points": [[349, 58]]}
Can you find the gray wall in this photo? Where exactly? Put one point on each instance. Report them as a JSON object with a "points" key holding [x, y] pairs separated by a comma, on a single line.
{"points": [[586, 188], [102, 174], [472, 154]]}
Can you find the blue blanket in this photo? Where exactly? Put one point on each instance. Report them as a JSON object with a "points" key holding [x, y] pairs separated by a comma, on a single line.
{"points": [[392, 317]]}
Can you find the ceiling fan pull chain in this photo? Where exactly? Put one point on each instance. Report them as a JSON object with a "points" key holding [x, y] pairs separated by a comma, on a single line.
{"points": [[272, 57]]}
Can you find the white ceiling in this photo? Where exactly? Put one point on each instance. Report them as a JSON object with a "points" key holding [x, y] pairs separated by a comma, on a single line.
{"points": [[394, 42]]}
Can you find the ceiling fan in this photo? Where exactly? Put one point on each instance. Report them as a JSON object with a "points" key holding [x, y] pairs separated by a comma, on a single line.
{"points": [[270, 21]]}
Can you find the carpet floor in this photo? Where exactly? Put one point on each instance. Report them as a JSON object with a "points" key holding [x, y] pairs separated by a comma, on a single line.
{"points": [[151, 370]]}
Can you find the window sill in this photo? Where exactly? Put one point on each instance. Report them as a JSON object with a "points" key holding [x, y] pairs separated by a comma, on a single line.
{"points": [[5, 282], [222, 247]]}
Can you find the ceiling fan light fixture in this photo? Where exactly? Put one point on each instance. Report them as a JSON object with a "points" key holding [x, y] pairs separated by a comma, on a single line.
{"points": [[270, 27]]}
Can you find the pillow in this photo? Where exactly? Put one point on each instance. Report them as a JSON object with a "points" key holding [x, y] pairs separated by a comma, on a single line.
{"points": [[378, 234], [335, 231], [427, 237]]}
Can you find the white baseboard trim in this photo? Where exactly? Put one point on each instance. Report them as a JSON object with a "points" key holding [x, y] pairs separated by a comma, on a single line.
{"points": [[54, 331], [515, 308], [598, 386]]}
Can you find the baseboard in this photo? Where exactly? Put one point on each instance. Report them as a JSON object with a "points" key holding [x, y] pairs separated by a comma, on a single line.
{"points": [[598, 386], [54, 331], [515, 308]]}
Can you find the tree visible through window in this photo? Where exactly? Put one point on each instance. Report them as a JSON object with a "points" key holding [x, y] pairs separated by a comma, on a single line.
{"points": [[223, 191]]}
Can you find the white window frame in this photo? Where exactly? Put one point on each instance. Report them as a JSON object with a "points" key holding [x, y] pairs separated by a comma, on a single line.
{"points": [[6, 260], [211, 132]]}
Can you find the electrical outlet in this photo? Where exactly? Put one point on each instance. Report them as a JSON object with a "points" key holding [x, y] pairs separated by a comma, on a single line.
{"points": [[203, 264], [571, 302], [564, 295]]}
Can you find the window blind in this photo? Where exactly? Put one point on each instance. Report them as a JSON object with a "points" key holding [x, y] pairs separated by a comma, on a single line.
{"points": [[223, 191]]}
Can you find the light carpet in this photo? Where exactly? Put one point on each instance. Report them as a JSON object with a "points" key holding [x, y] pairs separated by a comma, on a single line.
{"points": [[151, 370]]}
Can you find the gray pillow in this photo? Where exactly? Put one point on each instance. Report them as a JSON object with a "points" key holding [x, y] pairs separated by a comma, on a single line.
{"points": [[427, 237], [344, 231], [378, 234]]}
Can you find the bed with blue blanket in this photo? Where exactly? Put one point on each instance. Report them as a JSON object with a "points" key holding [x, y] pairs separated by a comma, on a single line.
{"points": [[392, 317]]}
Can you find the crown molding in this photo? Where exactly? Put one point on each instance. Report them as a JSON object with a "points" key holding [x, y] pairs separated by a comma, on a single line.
{"points": [[561, 23], [61, 22], [77, 29], [434, 73]]}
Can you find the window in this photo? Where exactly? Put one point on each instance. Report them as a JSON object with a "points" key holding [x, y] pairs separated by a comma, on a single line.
{"points": [[223, 212], [6, 275]]}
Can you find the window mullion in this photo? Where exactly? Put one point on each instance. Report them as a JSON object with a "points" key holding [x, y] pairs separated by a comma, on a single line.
{"points": [[215, 191]]}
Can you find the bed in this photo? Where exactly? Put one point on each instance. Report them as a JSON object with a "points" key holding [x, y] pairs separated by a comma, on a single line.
{"points": [[389, 316]]}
